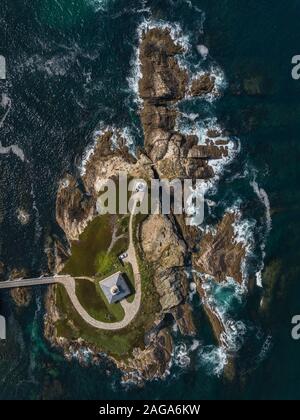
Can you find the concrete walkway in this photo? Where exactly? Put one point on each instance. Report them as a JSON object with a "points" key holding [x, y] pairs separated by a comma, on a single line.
{"points": [[130, 309]]}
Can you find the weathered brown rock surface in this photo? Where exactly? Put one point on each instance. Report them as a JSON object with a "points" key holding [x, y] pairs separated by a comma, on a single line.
{"points": [[74, 209], [167, 243], [202, 85], [162, 85], [161, 244], [152, 362], [221, 256], [21, 296]]}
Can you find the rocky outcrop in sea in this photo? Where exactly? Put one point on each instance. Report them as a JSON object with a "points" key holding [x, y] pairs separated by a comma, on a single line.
{"points": [[174, 251]]}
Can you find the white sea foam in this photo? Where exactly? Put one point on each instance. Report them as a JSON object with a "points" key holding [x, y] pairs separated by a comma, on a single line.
{"points": [[218, 166], [135, 76], [193, 291], [195, 345], [38, 227], [56, 66], [244, 234], [88, 153], [213, 359], [234, 330], [175, 328], [15, 149], [243, 230], [83, 355], [189, 124], [176, 32], [182, 353], [6, 103], [203, 51], [233, 336], [181, 357], [196, 9], [220, 82], [264, 199], [233, 290], [99, 5]]}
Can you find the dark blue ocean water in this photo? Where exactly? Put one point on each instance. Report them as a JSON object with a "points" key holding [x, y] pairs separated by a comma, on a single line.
{"points": [[68, 68]]}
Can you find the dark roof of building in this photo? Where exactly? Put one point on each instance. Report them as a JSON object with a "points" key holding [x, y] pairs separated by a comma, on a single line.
{"points": [[115, 288]]}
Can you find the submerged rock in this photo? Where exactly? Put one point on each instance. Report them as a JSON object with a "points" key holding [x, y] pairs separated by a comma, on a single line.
{"points": [[23, 216]]}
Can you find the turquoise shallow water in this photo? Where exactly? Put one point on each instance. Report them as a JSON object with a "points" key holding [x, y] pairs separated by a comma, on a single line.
{"points": [[68, 69]]}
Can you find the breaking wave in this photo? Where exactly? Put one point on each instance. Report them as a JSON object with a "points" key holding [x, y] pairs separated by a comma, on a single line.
{"points": [[213, 360], [225, 298], [182, 353], [264, 199], [99, 5], [135, 76], [175, 29], [192, 124], [220, 81]]}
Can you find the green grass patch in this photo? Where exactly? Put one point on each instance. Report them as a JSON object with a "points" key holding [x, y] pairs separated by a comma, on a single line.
{"points": [[129, 277], [94, 302], [96, 238], [89, 254], [89, 258], [119, 344], [106, 264]]}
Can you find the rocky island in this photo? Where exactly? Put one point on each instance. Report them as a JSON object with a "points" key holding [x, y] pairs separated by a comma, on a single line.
{"points": [[171, 256]]}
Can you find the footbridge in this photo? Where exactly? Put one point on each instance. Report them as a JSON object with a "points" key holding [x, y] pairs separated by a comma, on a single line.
{"points": [[40, 281]]}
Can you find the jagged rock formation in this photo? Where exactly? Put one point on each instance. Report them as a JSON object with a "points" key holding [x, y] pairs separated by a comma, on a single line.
{"points": [[175, 155], [74, 208], [202, 85], [76, 201], [152, 362], [163, 79], [221, 256], [21, 296], [162, 85], [166, 242], [160, 243]]}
